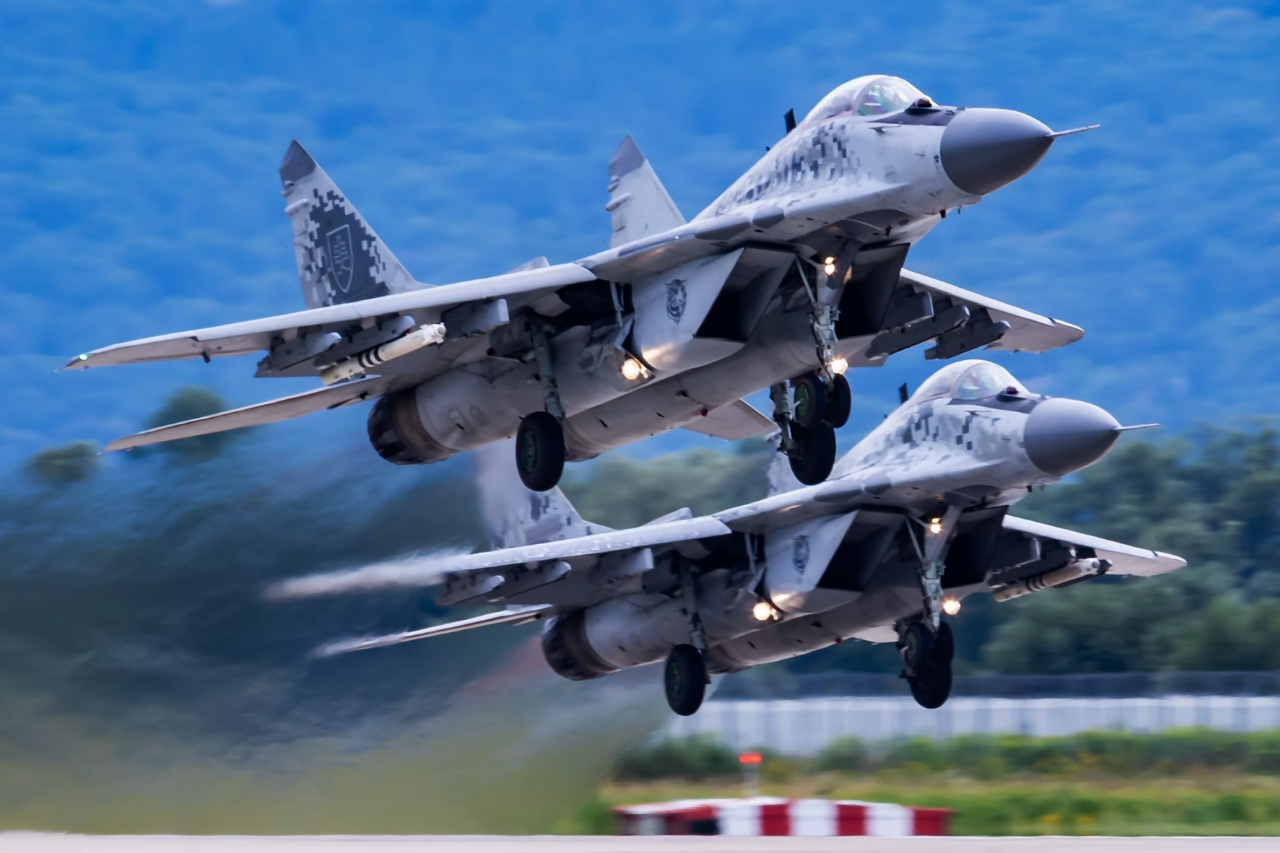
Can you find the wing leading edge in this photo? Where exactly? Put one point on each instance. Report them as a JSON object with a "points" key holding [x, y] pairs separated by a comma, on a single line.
{"points": [[424, 305], [1124, 559]]}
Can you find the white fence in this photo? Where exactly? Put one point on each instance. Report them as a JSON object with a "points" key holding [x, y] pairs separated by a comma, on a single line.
{"points": [[805, 726]]}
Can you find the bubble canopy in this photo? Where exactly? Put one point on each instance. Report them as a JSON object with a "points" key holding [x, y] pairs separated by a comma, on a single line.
{"points": [[972, 379], [866, 96]]}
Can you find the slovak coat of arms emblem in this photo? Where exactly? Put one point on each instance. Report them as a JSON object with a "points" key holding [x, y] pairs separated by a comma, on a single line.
{"points": [[341, 260]]}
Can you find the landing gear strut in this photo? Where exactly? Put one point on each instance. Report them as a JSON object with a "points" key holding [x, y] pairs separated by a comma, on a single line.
{"points": [[540, 450]]}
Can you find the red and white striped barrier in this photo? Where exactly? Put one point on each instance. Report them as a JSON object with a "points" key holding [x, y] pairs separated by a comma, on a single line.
{"points": [[776, 816]]}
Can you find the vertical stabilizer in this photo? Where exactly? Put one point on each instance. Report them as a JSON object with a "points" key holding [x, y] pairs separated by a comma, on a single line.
{"points": [[638, 202], [781, 479], [340, 258], [514, 515]]}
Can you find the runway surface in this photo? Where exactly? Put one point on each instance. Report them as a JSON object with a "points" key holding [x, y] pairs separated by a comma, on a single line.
{"points": [[49, 843]]}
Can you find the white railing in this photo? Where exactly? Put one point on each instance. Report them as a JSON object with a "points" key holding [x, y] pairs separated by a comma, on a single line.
{"points": [[805, 726]]}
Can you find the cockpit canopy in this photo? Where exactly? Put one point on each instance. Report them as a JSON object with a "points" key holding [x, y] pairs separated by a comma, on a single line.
{"points": [[972, 379], [867, 96]]}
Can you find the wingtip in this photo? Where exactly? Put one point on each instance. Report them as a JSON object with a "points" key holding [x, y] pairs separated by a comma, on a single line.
{"points": [[80, 362], [297, 163]]}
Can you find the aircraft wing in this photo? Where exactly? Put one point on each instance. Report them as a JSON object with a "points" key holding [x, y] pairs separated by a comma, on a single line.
{"points": [[425, 305], [1124, 559], [512, 573], [1028, 331]]}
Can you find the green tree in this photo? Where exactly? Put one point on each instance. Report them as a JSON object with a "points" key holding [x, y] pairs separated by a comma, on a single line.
{"points": [[69, 463], [186, 404]]}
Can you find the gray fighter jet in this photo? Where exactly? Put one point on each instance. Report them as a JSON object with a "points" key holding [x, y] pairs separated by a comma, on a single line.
{"points": [[913, 520], [793, 275]]}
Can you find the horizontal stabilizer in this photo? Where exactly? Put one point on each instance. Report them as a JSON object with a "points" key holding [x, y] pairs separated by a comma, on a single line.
{"points": [[733, 422], [511, 616], [269, 412]]}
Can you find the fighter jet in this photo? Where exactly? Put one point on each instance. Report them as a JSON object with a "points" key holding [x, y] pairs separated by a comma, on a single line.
{"points": [[794, 274], [913, 520]]}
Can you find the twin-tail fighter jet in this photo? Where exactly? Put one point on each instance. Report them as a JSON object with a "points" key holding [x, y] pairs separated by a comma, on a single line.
{"points": [[794, 274], [913, 519]]}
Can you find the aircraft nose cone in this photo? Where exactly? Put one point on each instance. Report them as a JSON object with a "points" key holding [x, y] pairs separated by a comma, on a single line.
{"points": [[984, 149], [1066, 435]]}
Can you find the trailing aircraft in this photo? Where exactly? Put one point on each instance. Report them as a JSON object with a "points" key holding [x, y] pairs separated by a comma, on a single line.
{"points": [[913, 519]]}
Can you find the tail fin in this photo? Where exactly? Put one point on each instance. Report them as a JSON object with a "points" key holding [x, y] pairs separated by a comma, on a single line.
{"points": [[514, 515], [781, 479], [638, 201], [340, 258]]}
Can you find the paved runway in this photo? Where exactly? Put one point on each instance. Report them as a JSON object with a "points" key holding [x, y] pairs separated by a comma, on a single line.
{"points": [[49, 843]]}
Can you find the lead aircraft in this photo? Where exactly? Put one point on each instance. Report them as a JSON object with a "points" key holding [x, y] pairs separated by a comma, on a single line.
{"points": [[913, 520], [794, 274]]}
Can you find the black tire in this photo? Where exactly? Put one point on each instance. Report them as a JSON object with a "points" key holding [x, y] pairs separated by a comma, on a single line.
{"points": [[917, 649], [931, 686], [839, 402], [944, 648], [814, 454], [808, 400], [540, 451], [685, 680]]}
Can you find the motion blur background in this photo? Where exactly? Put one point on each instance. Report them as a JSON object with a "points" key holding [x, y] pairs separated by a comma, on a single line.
{"points": [[144, 683]]}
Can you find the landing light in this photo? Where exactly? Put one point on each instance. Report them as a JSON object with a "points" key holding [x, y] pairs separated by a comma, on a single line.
{"points": [[829, 266], [838, 365], [631, 370], [951, 606], [935, 526], [763, 611]]}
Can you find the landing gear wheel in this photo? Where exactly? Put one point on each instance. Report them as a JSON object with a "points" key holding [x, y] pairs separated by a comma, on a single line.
{"points": [[685, 679], [839, 402], [813, 453], [809, 396], [931, 683], [540, 451]]}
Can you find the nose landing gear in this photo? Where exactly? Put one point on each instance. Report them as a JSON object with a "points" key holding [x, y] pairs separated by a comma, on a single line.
{"points": [[540, 450], [926, 661]]}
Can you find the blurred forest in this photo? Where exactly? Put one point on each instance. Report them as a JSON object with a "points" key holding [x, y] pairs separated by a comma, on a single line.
{"points": [[136, 643]]}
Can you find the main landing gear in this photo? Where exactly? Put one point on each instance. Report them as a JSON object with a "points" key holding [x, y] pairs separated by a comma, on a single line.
{"points": [[685, 678], [808, 420], [540, 450]]}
